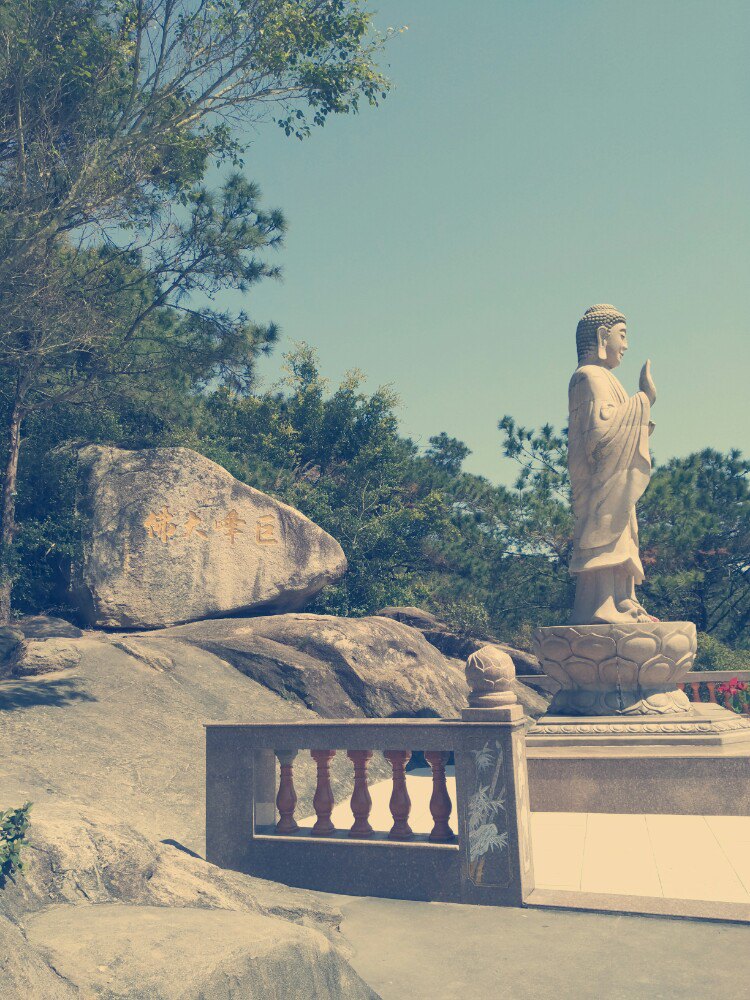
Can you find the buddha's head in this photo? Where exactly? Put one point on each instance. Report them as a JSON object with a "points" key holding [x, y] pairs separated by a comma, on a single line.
{"points": [[601, 336]]}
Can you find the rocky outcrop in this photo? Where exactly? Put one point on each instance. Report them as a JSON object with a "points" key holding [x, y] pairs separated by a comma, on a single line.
{"points": [[457, 645], [117, 732], [130, 712], [132, 952], [170, 536], [12, 645], [338, 667], [116, 914], [47, 627], [24, 974]]}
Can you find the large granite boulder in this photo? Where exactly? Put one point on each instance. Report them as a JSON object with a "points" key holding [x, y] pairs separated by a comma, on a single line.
{"points": [[108, 912], [338, 667], [454, 644], [80, 854], [170, 536], [23, 971], [134, 952]]}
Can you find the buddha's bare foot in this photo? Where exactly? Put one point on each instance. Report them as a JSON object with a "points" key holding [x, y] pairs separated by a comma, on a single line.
{"points": [[610, 613], [638, 612]]}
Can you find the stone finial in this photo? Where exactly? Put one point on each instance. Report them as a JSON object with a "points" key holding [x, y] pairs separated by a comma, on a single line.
{"points": [[490, 673]]}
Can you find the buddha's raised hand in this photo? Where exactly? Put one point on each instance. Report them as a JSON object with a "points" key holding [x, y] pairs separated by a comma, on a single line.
{"points": [[646, 383]]}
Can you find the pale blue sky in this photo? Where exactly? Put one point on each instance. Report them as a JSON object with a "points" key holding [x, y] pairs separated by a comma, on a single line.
{"points": [[534, 157]]}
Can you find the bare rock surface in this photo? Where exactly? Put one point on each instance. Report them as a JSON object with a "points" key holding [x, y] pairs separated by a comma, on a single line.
{"points": [[439, 634], [102, 910], [115, 732], [43, 656], [24, 974], [12, 644], [132, 952], [47, 627], [80, 854], [338, 667], [171, 537], [122, 729]]}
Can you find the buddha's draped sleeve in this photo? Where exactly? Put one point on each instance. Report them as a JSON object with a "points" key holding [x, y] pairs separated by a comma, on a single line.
{"points": [[608, 455]]}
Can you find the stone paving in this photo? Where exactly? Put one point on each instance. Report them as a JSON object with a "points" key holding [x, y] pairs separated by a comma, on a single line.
{"points": [[446, 951]]}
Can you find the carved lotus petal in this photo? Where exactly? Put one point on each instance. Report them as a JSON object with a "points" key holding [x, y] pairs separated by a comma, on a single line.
{"points": [[557, 673], [610, 672], [554, 647], [580, 671], [639, 648], [612, 700], [656, 671], [490, 669], [593, 647], [684, 664], [677, 644]]}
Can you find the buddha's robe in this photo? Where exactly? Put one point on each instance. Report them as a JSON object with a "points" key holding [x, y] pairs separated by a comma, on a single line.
{"points": [[610, 467]]}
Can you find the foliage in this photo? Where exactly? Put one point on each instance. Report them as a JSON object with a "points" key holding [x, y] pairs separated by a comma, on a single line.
{"points": [[13, 826], [114, 252], [466, 617], [716, 655], [339, 459], [415, 528]]}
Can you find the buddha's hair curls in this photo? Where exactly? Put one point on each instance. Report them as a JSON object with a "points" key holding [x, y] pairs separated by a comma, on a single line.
{"points": [[592, 319]]}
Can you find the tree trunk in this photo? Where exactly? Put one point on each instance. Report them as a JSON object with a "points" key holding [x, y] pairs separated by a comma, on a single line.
{"points": [[8, 512]]}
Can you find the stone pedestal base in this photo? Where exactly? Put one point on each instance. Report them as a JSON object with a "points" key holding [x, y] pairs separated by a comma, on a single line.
{"points": [[703, 725], [695, 763]]}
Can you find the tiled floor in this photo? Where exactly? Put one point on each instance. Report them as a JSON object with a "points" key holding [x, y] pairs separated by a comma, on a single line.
{"points": [[678, 857]]}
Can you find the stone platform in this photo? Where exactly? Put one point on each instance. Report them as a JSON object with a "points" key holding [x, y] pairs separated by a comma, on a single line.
{"points": [[686, 764], [620, 737]]}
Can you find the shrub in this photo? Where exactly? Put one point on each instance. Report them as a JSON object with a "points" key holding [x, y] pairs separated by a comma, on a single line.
{"points": [[13, 826]]}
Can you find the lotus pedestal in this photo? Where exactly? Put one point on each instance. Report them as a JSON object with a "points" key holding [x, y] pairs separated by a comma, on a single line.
{"points": [[620, 736]]}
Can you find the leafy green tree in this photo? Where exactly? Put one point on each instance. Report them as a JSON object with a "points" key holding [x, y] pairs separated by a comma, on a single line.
{"points": [[339, 458], [112, 249], [695, 538]]}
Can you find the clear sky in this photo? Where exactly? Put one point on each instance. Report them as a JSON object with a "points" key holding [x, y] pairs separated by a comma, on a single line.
{"points": [[534, 157]]}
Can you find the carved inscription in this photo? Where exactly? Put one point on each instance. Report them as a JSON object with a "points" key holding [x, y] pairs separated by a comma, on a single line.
{"points": [[192, 526], [230, 525], [264, 530], [160, 525], [163, 526]]}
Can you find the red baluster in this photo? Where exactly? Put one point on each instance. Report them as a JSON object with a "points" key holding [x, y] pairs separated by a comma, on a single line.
{"points": [[400, 804], [711, 685], [323, 799], [696, 689], [286, 800], [440, 801], [361, 803], [681, 687]]}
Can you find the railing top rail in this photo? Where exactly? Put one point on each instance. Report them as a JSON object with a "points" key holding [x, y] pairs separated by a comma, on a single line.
{"points": [[356, 734], [714, 675], [337, 724]]}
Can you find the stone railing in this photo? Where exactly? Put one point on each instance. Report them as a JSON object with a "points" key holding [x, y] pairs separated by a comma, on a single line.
{"points": [[699, 685], [708, 681], [482, 857]]}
